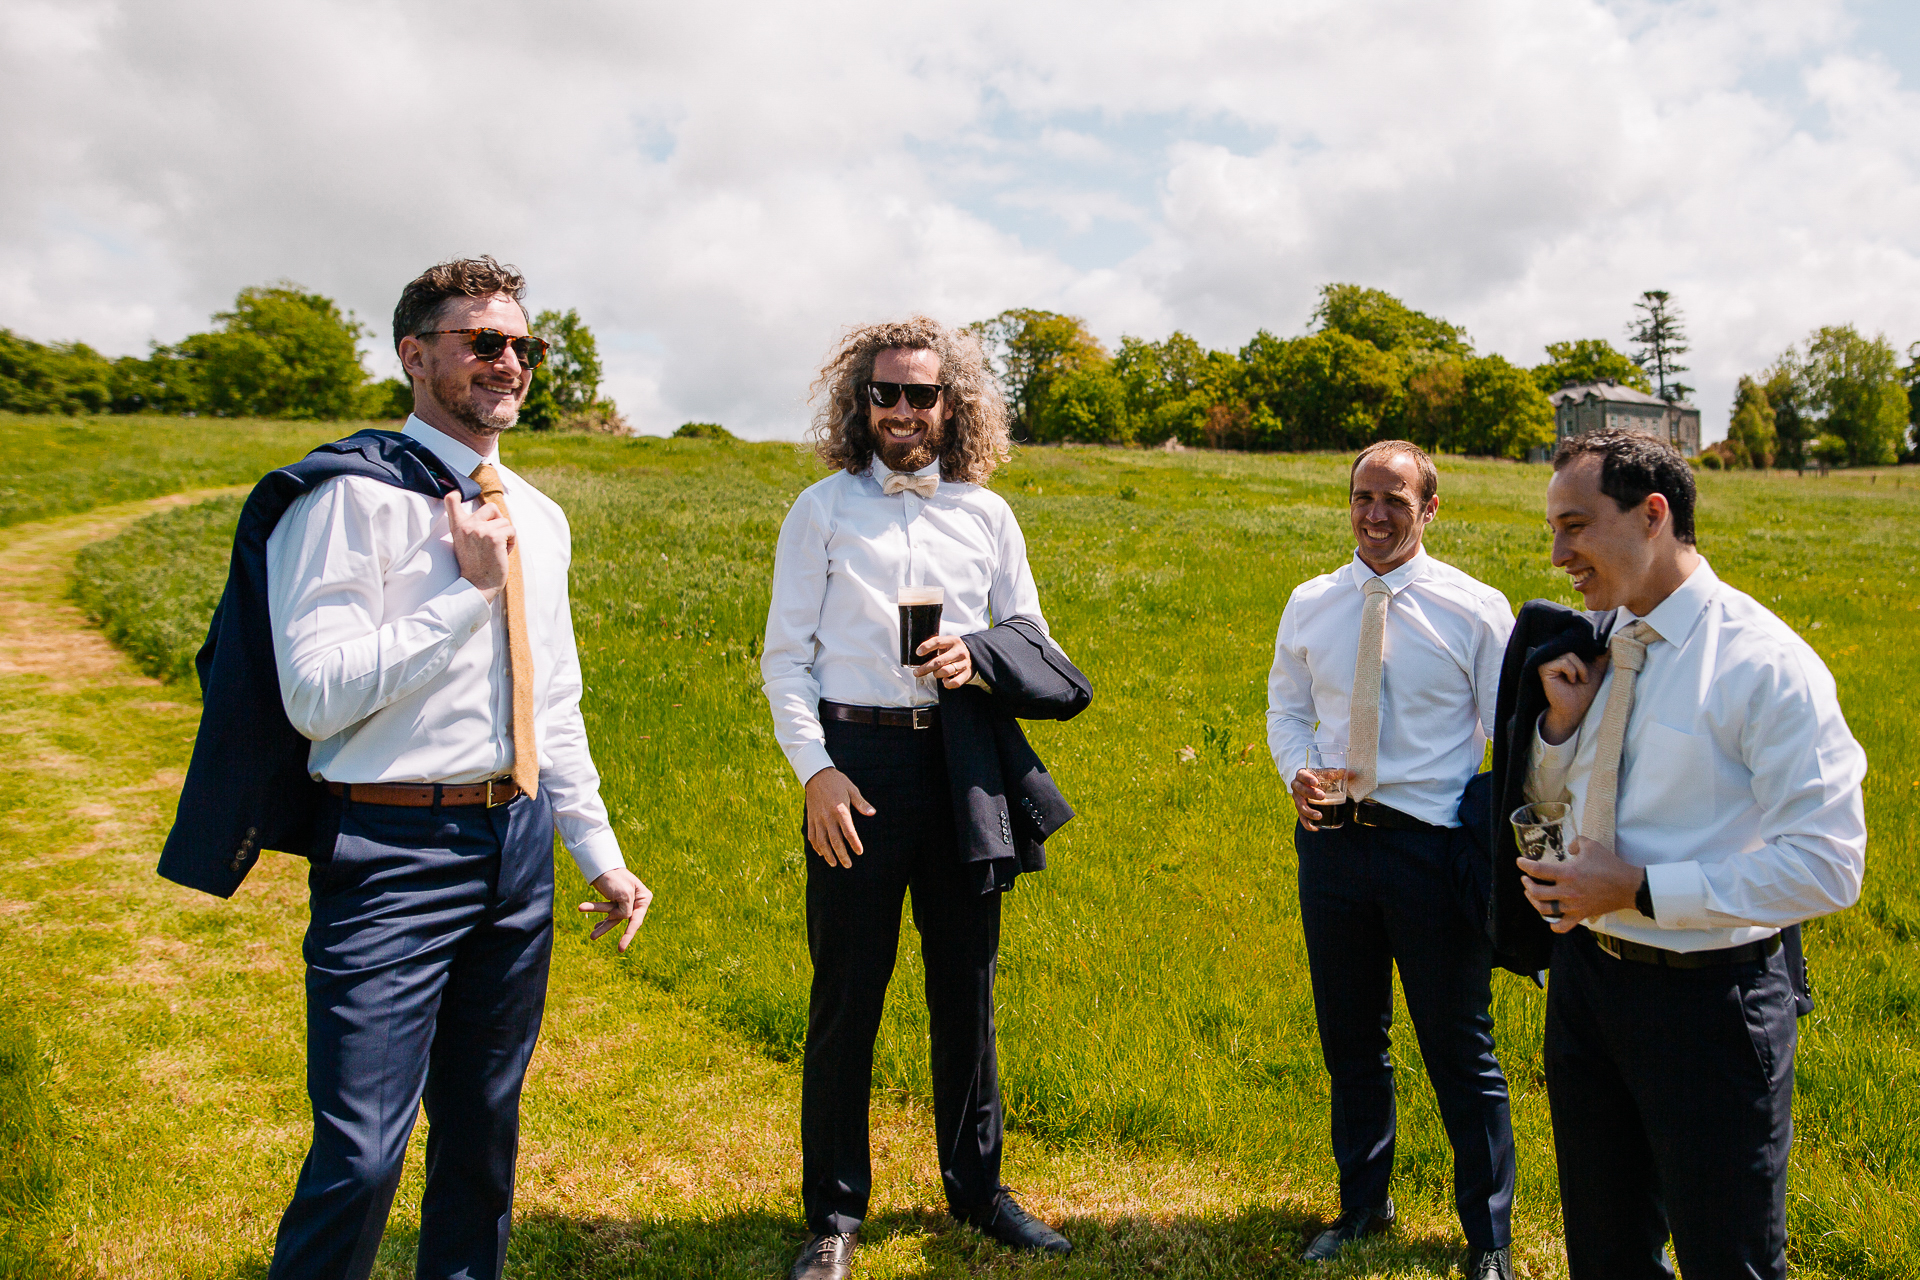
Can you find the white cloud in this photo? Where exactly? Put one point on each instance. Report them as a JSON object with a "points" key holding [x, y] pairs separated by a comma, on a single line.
{"points": [[720, 189]]}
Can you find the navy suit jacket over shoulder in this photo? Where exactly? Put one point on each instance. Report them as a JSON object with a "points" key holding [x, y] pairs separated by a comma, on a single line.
{"points": [[248, 788], [1005, 802]]}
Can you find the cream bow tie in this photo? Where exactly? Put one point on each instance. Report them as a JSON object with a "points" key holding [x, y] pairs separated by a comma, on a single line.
{"points": [[896, 482]]}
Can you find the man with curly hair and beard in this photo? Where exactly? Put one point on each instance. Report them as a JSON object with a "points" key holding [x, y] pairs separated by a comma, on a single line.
{"points": [[918, 780]]}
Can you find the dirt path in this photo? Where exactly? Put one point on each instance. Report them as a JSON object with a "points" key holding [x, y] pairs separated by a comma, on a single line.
{"points": [[41, 633]]}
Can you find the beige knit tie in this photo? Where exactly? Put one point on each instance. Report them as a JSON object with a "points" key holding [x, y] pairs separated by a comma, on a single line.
{"points": [[1627, 655], [1363, 728], [526, 749]]}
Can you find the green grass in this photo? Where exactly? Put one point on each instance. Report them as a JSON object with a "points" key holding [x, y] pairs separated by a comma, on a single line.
{"points": [[52, 465], [1153, 988], [153, 588], [30, 1126]]}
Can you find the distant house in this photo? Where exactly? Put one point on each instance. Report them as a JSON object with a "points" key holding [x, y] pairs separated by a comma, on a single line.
{"points": [[1592, 406]]}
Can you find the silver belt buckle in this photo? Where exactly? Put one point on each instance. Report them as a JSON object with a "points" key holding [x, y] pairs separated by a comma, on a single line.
{"points": [[918, 723]]}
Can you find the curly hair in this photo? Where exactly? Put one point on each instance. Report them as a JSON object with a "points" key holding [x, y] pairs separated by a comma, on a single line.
{"points": [[977, 438]]}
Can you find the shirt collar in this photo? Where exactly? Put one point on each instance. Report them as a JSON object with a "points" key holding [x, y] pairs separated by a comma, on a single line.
{"points": [[1397, 581], [1674, 617], [457, 456]]}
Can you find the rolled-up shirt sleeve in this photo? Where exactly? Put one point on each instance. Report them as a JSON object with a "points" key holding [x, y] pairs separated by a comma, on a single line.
{"points": [[339, 660], [793, 624], [1807, 771], [567, 772], [1290, 712]]}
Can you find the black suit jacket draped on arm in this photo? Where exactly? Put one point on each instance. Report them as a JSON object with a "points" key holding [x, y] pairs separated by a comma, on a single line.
{"points": [[1005, 803]]}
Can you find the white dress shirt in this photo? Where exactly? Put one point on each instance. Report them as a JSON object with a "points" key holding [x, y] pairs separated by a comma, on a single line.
{"points": [[396, 666], [845, 551], [1446, 634], [1739, 779]]}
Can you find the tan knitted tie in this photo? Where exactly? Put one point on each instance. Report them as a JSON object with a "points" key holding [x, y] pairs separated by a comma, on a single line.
{"points": [[1363, 728], [1627, 654], [526, 749]]}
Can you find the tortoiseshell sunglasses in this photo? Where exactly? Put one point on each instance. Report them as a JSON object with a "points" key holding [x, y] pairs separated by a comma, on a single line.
{"points": [[491, 344]]}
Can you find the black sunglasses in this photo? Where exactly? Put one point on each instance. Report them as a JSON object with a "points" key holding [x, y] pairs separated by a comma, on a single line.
{"points": [[921, 395], [491, 344]]}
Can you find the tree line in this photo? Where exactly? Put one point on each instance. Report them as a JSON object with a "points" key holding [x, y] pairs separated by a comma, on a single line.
{"points": [[1837, 398], [1371, 368], [280, 352]]}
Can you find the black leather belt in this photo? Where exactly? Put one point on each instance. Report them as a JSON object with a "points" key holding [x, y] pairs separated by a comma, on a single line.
{"points": [[1371, 813], [1621, 949], [889, 717]]}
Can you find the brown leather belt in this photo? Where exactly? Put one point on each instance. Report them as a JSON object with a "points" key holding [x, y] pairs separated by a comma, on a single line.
{"points": [[1621, 949], [425, 795], [891, 717]]}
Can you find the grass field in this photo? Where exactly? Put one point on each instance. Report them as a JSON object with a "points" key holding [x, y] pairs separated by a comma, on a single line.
{"points": [[1155, 1020], [51, 465]]}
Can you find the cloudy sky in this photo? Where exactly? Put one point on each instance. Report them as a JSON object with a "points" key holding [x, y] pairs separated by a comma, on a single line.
{"points": [[718, 189]]}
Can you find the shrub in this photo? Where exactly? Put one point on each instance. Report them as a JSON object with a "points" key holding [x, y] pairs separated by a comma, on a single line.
{"points": [[703, 431]]}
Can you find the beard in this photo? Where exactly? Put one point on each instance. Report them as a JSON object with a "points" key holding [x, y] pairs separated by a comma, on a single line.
{"points": [[455, 394], [911, 455]]}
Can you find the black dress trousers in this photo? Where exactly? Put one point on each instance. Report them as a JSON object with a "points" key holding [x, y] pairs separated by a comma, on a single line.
{"points": [[1370, 899], [853, 933], [1672, 1099]]}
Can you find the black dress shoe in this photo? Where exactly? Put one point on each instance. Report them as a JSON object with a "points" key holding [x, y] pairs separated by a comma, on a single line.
{"points": [[1348, 1227], [1005, 1221], [824, 1258], [1489, 1264]]}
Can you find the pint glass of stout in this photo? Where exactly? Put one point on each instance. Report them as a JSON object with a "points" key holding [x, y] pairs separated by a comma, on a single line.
{"points": [[919, 621], [1544, 833], [1327, 762]]}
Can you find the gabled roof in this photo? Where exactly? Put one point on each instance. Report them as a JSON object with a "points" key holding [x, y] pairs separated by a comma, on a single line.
{"points": [[1611, 393]]}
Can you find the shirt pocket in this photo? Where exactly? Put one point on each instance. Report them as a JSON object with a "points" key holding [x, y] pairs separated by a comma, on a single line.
{"points": [[1673, 781]]}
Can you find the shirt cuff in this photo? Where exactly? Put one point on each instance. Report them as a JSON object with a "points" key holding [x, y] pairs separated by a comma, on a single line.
{"points": [[808, 759], [1679, 892], [1553, 759], [464, 610], [598, 854]]}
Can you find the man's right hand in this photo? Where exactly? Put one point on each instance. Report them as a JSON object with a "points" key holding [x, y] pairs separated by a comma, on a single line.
{"points": [[1307, 794], [831, 799], [481, 541], [1570, 684]]}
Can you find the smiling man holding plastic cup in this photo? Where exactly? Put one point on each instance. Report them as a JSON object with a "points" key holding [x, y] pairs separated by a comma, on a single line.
{"points": [[918, 780], [1716, 789], [1396, 656]]}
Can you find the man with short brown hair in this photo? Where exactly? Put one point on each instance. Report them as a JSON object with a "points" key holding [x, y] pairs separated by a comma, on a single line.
{"points": [[392, 690], [1395, 657]]}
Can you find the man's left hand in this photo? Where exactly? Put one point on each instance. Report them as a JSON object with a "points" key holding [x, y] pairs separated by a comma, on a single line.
{"points": [[627, 899], [1593, 882], [948, 660]]}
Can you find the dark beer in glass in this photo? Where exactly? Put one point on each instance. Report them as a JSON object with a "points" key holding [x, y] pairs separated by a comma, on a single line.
{"points": [[919, 621]]}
